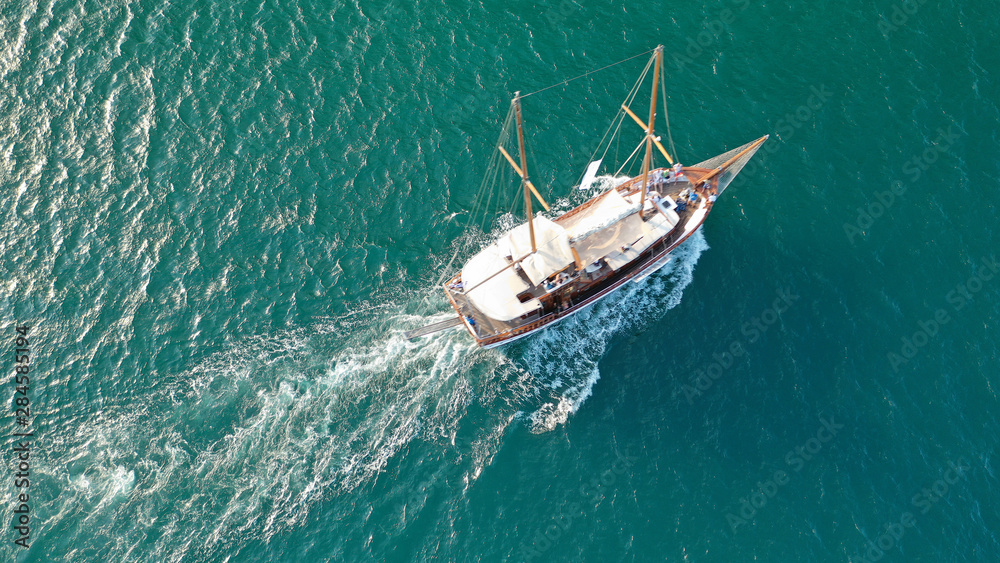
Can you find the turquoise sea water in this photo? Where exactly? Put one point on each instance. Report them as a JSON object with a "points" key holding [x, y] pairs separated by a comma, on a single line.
{"points": [[220, 217]]}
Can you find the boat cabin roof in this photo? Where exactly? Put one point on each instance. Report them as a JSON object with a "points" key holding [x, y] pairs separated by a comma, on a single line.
{"points": [[608, 229]]}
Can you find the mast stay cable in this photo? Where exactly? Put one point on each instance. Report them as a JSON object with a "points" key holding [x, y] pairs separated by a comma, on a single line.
{"points": [[568, 80]]}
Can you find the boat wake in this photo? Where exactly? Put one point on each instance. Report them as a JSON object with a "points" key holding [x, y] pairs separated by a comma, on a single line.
{"points": [[563, 359], [257, 434]]}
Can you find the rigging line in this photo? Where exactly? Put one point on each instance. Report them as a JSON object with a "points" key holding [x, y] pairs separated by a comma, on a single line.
{"points": [[666, 115], [501, 175], [516, 203], [490, 173], [564, 82], [628, 101], [620, 116], [642, 143], [494, 168], [480, 204], [504, 134], [495, 165], [621, 112], [474, 212]]}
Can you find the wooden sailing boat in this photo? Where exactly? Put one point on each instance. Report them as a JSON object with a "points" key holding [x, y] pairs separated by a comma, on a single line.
{"points": [[548, 269]]}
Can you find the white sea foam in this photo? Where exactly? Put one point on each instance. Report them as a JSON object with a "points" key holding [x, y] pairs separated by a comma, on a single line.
{"points": [[256, 435], [564, 359]]}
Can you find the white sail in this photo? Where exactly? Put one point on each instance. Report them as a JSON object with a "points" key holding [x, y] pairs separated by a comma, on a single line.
{"points": [[590, 175], [492, 286]]}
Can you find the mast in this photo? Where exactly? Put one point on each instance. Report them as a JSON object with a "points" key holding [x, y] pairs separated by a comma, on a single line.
{"points": [[524, 171], [649, 128]]}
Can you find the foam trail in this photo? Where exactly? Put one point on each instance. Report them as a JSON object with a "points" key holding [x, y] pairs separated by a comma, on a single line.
{"points": [[564, 359], [256, 435]]}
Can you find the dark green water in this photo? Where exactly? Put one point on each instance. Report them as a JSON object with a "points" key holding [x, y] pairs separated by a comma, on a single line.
{"points": [[220, 217]]}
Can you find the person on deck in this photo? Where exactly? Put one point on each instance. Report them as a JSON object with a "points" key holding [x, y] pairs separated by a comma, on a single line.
{"points": [[677, 172]]}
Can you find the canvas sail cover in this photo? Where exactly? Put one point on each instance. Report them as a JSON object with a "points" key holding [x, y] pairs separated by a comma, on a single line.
{"points": [[492, 286], [729, 174], [607, 211], [488, 262], [553, 252]]}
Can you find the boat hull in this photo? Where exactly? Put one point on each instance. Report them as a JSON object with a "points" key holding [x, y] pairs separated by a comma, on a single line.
{"points": [[573, 310]]}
